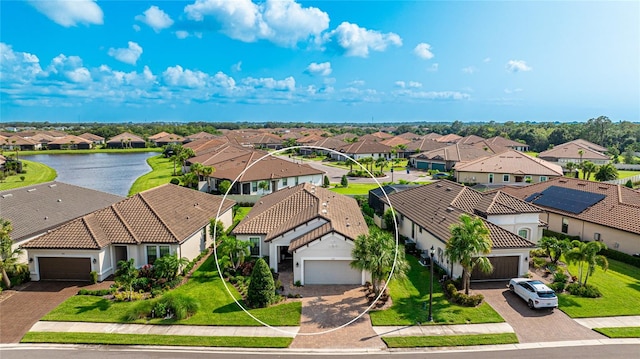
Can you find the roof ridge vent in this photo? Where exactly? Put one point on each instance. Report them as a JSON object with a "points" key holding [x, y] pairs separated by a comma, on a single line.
{"points": [[449, 209], [7, 195], [438, 185], [449, 189], [31, 189]]}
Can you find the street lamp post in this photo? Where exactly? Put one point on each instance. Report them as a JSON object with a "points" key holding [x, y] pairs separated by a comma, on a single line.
{"points": [[431, 254]]}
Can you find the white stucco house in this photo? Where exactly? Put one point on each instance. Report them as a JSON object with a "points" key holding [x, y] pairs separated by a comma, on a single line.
{"points": [[168, 219], [311, 229]]}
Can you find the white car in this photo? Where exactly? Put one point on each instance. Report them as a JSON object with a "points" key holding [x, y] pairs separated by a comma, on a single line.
{"points": [[534, 292]]}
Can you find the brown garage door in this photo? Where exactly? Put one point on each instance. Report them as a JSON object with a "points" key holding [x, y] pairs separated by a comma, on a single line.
{"points": [[503, 268], [61, 268]]}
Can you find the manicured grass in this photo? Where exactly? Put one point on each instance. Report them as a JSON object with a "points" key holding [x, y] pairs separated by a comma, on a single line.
{"points": [[161, 173], [95, 150], [411, 300], [149, 339], [355, 189], [531, 153], [620, 332], [216, 306], [36, 173], [621, 174], [450, 340], [241, 212], [620, 286]]}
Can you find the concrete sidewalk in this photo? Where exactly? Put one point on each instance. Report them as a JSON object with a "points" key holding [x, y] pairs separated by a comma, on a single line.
{"points": [[193, 330], [425, 330], [610, 322]]}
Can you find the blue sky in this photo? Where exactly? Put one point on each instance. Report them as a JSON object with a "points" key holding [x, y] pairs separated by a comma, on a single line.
{"points": [[319, 61]]}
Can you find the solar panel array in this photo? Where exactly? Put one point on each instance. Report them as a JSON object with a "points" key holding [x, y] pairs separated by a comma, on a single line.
{"points": [[565, 199]]}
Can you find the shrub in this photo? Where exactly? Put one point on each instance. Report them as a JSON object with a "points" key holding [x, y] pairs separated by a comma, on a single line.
{"points": [[558, 287], [175, 181], [561, 236], [298, 283], [97, 293], [261, 292], [140, 310], [539, 262], [586, 291], [93, 275], [538, 252], [560, 277], [622, 257], [460, 298], [343, 181], [142, 284], [124, 296]]}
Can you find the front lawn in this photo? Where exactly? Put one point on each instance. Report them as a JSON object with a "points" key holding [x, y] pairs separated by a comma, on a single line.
{"points": [[161, 173], [620, 332], [355, 189], [153, 339], [36, 172], [216, 306], [620, 286], [450, 340], [411, 300]]}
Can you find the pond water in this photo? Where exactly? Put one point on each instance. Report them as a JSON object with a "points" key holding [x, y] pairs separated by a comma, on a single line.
{"points": [[107, 172]]}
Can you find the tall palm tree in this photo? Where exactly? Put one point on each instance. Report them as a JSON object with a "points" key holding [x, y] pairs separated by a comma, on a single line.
{"points": [[571, 166], [8, 255], [586, 254], [588, 168], [468, 244], [606, 173], [382, 163]]}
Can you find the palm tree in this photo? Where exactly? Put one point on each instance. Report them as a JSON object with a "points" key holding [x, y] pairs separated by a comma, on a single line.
{"points": [[588, 168], [580, 153], [8, 255], [126, 274], [376, 253], [264, 185], [468, 244], [382, 163], [586, 253], [606, 173], [571, 166], [236, 251]]}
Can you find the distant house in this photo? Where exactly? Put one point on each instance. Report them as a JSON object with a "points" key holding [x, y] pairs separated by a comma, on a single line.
{"points": [[382, 135], [330, 143], [34, 210], [21, 143], [164, 220], [425, 214], [395, 142], [450, 138], [504, 142], [421, 145], [574, 152], [266, 140], [309, 228], [444, 158], [126, 140], [97, 140], [365, 148], [594, 211], [507, 168], [199, 136], [70, 142], [169, 139], [43, 139]]}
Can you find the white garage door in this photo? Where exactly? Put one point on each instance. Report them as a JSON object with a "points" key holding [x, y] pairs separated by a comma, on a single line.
{"points": [[330, 272]]}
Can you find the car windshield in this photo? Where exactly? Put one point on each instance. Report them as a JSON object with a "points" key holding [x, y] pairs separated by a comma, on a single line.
{"points": [[546, 294]]}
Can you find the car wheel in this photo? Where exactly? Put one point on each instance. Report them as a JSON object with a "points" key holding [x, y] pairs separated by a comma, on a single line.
{"points": [[511, 287], [531, 304]]}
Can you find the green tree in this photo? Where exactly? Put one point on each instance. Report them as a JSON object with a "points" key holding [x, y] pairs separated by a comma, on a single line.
{"points": [[629, 156], [223, 186], [585, 255], [190, 180], [344, 182], [571, 166], [468, 245], [554, 247], [9, 256], [588, 168], [169, 266], [126, 275], [376, 254], [382, 163], [262, 289], [606, 173], [264, 185], [232, 252], [326, 182]]}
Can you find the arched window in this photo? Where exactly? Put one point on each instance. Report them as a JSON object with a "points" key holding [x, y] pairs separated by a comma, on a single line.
{"points": [[524, 233]]}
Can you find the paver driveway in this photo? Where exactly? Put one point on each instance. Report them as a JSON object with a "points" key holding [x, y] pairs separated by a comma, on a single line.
{"points": [[21, 309], [540, 325]]}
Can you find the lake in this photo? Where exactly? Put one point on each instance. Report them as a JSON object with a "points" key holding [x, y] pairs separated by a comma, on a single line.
{"points": [[107, 172]]}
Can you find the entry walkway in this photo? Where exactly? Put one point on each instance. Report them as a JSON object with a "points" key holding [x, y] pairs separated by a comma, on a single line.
{"points": [[425, 330]]}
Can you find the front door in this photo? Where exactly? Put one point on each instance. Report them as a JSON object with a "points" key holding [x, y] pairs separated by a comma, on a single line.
{"points": [[121, 253]]}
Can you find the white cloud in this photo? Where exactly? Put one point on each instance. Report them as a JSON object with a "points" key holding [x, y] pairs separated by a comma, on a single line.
{"points": [[400, 84], [69, 68], [469, 69], [130, 55], [181, 34], [432, 95], [517, 66], [283, 22], [358, 41], [410, 84], [423, 51], [223, 80], [155, 18], [323, 69], [177, 76], [237, 67], [70, 13], [17, 66], [510, 91], [288, 84], [356, 83], [415, 84]]}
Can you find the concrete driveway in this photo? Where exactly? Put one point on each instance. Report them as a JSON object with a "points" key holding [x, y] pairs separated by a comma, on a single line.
{"points": [[540, 325], [22, 307]]}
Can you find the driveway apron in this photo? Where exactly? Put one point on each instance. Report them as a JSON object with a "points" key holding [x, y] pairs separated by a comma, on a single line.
{"points": [[531, 326], [21, 308]]}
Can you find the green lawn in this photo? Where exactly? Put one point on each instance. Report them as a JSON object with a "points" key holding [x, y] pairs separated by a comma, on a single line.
{"points": [[621, 174], [151, 339], [620, 286], [620, 332], [450, 340], [411, 298], [36, 173], [355, 189], [216, 306], [95, 150], [161, 173]]}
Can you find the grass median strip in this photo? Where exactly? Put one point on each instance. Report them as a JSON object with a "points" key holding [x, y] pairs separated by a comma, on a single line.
{"points": [[144, 339], [620, 332], [450, 340]]}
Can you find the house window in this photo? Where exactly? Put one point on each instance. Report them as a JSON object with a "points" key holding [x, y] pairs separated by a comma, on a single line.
{"points": [[596, 237], [255, 246], [297, 181], [505, 178], [284, 181], [490, 177], [254, 186], [155, 252], [565, 225], [413, 230], [543, 178], [524, 233]]}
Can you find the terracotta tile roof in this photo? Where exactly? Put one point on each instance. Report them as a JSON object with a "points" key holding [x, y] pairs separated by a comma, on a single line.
{"points": [[504, 142], [331, 143], [91, 137], [410, 136], [424, 145], [345, 136], [511, 162], [620, 209], [200, 135], [470, 140], [281, 211], [19, 141], [127, 137], [365, 147], [207, 145], [432, 136], [455, 153], [450, 138], [310, 139], [264, 139], [170, 137], [570, 150], [159, 135], [382, 135], [35, 209], [591, 145], [42, 138], [68, 139], [165, 214], [499, 202], [395, 141], [437, 206]]}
